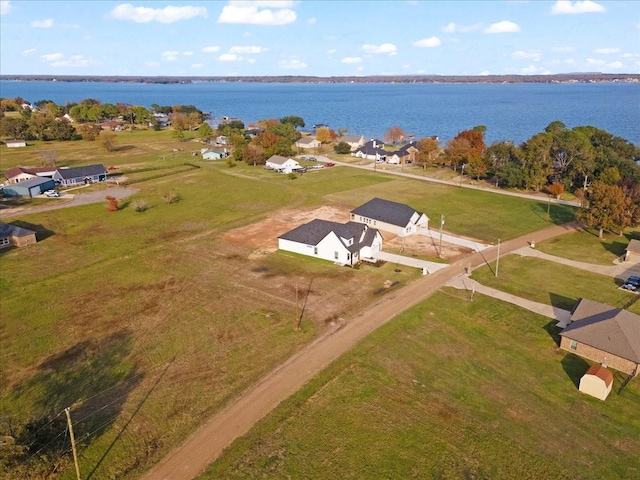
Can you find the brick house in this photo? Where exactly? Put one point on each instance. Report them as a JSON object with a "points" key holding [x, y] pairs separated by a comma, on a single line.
{"points": [[604, 334], [12, 235]]}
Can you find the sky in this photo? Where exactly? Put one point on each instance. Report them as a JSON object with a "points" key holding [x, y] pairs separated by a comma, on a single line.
{"points": [[318, 37]]}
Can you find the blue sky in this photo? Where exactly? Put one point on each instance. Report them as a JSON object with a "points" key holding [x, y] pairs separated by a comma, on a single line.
{"points": [[323, 37]]}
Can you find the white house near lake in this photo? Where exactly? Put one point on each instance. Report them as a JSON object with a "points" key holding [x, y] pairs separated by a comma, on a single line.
{"points": [[282, 164], [389, 216], [345, 244]]}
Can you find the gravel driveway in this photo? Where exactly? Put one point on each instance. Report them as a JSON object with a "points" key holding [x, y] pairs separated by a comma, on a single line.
{"points": [[68, 200]]}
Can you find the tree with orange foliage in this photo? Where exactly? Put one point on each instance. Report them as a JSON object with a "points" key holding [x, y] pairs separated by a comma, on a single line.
{"points": [[112, 204], [466, 148], [394, 135], [555, 189]]}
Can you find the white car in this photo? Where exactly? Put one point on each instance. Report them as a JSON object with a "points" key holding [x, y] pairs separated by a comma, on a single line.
{"points": [[51, 193]]}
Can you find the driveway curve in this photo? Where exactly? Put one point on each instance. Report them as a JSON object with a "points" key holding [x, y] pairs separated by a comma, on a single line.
{"points": [[207, 443]]}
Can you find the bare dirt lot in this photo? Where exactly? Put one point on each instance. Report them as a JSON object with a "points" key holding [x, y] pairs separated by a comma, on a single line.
{"points": [[263, 236]]}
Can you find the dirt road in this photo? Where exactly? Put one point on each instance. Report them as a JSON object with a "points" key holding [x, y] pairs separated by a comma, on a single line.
{"points": [[206, 444]]}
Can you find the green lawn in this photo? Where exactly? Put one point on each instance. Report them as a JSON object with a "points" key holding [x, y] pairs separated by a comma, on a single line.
{"points": [[585, 246], [449, 389], [547, 282]]}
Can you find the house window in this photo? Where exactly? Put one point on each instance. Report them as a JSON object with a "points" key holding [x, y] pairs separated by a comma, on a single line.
{"points": [[574, 345], [4, 242], [315, 250], [336, 255]]}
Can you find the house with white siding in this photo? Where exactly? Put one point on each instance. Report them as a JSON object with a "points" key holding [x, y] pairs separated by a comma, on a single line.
{"points": [[80, 175], [344, 244], [282, 164], [389, 216]]}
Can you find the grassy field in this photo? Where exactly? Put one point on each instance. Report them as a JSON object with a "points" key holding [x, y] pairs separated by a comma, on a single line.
{"points": [[449, 389], [530, 278], [147, 323], [585, 246]]}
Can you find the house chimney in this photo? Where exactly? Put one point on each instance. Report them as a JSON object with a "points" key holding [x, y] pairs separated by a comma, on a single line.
{"points": [[373, 143]]}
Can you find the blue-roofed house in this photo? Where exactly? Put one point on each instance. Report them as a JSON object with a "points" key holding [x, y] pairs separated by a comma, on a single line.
{"points": [[341, 243], [80, 175], [389, 216]]}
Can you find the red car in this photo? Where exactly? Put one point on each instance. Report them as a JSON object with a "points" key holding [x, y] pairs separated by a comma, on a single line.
{"points": [[330, 164]]}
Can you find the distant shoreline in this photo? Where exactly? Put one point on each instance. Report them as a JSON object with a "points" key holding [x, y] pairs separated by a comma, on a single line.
{"points": [[558, 78]]}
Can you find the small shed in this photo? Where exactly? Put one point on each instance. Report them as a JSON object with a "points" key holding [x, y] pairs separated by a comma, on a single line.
{"points": [[30, 188], [632, 253], [597, 382], [16, 143], [16, 236]]}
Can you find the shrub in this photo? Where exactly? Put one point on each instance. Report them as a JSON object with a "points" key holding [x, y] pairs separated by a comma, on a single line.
{"points": [[171, 197], [139, 205], [112, 204], [342, 148]]}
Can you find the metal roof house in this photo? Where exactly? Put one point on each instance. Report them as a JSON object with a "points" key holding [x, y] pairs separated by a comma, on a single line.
{"points": [[390, 216], [604, 334], [29, 188], [80, 175], [342, 243]]}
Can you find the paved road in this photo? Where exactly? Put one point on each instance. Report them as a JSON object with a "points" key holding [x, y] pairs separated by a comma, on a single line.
{"points": [[71, 200], [207, 443]]}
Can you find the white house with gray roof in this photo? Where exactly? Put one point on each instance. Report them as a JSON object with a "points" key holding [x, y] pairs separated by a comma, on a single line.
{"points": [[389, 216], [282, 164], [342, 243]]}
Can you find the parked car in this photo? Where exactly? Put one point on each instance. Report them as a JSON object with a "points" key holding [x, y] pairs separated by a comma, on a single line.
{"points": [[632, 284], [51, 193], [304, 158], [330, 164], [312, 159]]}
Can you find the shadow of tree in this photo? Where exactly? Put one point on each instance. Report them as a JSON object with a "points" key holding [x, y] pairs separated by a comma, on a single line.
{"points": [[575, 367], [558, 214]]}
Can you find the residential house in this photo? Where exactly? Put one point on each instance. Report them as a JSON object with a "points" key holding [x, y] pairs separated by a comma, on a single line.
{"points": [[112, 125], [282, 164], [405, 154], [597, 382], [214, 153], [354, 141], [20, 174], [632, 253], [307, 142], [29, 188], [69, 176], [16, 143], [604, 334], [222, 140], [372, 150], [252, 132], [345, 244], [16, 236], [389, 216]]}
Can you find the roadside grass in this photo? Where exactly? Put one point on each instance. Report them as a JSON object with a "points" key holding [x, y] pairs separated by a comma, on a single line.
{"points": [[530, 278], [585, 246], [448, 389]]}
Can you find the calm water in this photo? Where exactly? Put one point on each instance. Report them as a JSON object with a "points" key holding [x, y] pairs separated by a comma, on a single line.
{"points": [[509, 111]]}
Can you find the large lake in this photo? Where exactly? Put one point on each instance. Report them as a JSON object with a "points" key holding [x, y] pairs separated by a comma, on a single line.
{"points": [[509, 111]]}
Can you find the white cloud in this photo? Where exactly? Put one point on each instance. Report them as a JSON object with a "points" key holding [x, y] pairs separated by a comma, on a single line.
{"points": [[51, 57], [293, 64], [562, 49], [504, 26], [312, 21], [562, 7], [197, 65], [430, 42], [527, 54], [188, 53], [351, 60], [484, 73], [615, 65], [229, 57], [532, 69], [211, 49], [29, 51], [247, 49], [570, 61], [73, 61], [385, 48], [251, 60], [360, 68], [331, 51], [254, 13], [170, 56], [606, 51], [5, 7], [48, 23], [452, 27], [151, 64], [595, 61], [168, 14]]}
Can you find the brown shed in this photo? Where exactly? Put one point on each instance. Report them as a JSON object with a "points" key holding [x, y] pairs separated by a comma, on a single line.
{"points": [[597, 382]]}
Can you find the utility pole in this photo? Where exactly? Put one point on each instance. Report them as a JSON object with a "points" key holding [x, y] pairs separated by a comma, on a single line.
{"points": [[73, 442], [298, 319], [462, 173], [441, 225], [498, 258], [549, 208]]}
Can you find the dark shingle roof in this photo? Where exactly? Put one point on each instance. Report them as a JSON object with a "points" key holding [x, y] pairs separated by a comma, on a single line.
{"points": [[7, 230], [612, 330], [86, 171], [313, 232], [386, 211]]}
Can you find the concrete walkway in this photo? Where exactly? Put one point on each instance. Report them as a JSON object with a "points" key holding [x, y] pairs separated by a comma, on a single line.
{"points": [[463, 282], [411, 262], [619, 270], [454, 240]]}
